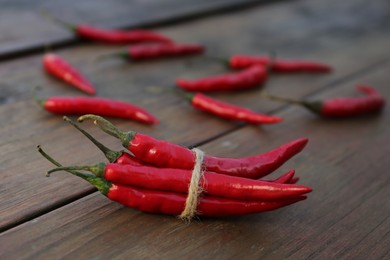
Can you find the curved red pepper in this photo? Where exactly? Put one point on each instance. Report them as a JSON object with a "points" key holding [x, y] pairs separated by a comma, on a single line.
{"points": [[372, 102], [342, 107], [278, 65], [248, 78], [229, 111], [288, 177], [170, 203], [119, 36], [59, 67], [155, 51], [114, 36], [99, 106], [219, 185], [256, 166], [168, 155]]}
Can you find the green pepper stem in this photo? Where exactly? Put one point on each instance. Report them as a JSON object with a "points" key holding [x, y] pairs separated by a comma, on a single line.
{"points": [[111, 155], [97, 170], [282, 99], [70, 26], [109, 128], [123, 55], [101, 184], [186, 95], [40, 101], [219, 59], [314, 106]]}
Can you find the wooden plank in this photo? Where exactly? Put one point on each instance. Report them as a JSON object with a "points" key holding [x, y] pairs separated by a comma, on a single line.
{"points": [[37, 32], [24, 125], [345, 162]]}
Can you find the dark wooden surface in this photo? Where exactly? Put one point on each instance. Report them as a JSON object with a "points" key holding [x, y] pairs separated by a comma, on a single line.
{"points": [[346, 162]]}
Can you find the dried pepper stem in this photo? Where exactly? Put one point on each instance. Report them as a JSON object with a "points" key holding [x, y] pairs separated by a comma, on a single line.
{"points": [[102, 185]]}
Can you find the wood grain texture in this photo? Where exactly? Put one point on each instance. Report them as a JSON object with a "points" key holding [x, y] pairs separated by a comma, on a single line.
{"points": [[346, 161], [25, 30], [132, 82], [348, 207]]}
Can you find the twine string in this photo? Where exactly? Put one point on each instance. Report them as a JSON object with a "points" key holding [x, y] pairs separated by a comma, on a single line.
{"points": [[194, 189]]}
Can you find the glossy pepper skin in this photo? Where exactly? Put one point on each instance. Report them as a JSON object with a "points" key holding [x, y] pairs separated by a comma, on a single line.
{"points": [[171, 203], [100, 106], [248, 78], [372, 102], [60, 68], [219, 185], [168, 155], [278, 65], [257, 166], [164, 154], [229, 111]]}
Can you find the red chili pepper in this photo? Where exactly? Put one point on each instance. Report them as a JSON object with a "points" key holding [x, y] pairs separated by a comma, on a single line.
{"points": [[111, 36], [229, 111], [173, 203], [155, 51], [278, 65], [286, 178], [218, 185], [339, 107], [57, 66], [119, 36], [99, 106], [177, 180], [168, 155], [248, 78]]}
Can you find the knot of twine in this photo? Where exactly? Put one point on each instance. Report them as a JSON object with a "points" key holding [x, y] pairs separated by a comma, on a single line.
{"points": [[194, 189]]}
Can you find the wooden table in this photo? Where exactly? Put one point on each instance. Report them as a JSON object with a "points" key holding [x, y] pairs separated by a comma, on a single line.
{"points": [[346, 162]]}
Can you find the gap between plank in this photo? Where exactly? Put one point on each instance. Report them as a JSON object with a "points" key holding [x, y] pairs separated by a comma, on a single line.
{"points": [[332, 84], [184, 16]]}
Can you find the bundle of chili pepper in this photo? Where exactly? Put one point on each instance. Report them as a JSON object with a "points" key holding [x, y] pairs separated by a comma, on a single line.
{"points": [[163, 190], [142, 52], [111, 36], [100, 106], [342, 107], [278, 65], [60, 68], [229, 111], [164, 154], [248, 78]]}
